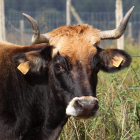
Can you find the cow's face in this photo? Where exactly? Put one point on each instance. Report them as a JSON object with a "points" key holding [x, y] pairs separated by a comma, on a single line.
{"points": [[72, 61], [72, 73], [75, 84], [73, 68]]}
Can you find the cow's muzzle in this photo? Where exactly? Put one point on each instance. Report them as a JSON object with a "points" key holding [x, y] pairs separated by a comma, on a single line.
{"points": [[83, 107]]}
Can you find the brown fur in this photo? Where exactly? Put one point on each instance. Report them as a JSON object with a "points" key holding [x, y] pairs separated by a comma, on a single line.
{"points": [[8, 50], [76, 42]]}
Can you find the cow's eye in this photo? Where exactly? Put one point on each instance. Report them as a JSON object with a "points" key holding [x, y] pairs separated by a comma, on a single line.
{"points": [[58, 67]]}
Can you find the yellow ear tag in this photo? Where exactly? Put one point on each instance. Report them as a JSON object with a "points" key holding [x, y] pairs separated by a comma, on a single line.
{"points": [[117, 61], [24, 67]]}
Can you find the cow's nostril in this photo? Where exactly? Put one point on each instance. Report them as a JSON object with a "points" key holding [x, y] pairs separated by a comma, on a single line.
{"points": [[95, 106], [78, 105], [96, 102], [83, 107]]}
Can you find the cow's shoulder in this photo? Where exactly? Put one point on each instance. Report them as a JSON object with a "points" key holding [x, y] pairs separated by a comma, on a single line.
{"points": [[7, 49]]}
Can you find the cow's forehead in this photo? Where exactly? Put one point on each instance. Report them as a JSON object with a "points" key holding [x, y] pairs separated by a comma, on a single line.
{"points": [[76, 42], [78, 51]]}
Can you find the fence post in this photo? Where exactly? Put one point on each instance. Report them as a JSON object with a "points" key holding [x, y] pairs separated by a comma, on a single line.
{"points": [[139, 38], [130, 36], [68, 13], [2, 21], [119, 17], [75, 14], [22, 31]]}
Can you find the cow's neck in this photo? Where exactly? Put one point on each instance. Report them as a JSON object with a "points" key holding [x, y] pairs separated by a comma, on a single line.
{"points": [[55, 133], [54, 112], [56, 118]]}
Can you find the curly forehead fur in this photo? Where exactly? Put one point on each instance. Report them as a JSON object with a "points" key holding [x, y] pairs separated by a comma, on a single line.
{"points": [[76, 42]]}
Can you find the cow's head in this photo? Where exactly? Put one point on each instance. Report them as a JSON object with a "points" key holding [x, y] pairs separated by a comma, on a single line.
{"points": [[72, 60]]}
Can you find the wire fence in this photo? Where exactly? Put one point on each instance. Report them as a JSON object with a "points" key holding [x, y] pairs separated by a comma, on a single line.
{"points": [[50, 20]]}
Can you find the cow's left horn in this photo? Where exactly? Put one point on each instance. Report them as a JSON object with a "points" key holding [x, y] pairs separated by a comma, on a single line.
{"points": [[36, 37], [118, 32]]}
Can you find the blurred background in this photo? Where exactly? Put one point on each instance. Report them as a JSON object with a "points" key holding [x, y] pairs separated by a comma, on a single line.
{"points": [[118, 93], [51, 14]]}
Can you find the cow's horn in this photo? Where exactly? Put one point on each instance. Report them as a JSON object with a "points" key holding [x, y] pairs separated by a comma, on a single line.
{"points": [[36, 37], [118, 32]]}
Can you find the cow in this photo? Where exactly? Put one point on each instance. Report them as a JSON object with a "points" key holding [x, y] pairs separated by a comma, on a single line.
{"points": [[43, 84]]}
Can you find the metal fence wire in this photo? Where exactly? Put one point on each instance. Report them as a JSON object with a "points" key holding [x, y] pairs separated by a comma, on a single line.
{"points": [[49, 20]]}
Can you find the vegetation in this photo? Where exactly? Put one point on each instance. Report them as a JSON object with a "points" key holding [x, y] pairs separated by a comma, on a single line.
{"points": [[119, 96]]}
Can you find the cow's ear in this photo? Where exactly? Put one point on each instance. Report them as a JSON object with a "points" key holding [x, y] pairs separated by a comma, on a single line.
{"points": [[112, 60], [34, 61]]}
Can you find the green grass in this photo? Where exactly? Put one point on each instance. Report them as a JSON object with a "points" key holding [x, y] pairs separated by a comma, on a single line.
{"points": [[119, 96]]}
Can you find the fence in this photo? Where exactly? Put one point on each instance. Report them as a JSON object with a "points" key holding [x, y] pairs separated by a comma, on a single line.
{"points": [[48, 21]]}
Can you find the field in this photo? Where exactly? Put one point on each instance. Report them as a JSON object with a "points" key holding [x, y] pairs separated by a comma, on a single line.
{"points": [[119, 96]]}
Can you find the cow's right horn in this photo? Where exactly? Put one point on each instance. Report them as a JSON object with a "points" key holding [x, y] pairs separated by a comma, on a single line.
{"points": [[36, 37], [118, 32]]}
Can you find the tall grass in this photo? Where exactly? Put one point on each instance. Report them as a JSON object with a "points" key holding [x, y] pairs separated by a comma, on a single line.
{"points": [[119, 96]]}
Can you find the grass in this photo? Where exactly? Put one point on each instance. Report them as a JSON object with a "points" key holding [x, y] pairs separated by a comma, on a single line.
{"points": [[119, 96]]}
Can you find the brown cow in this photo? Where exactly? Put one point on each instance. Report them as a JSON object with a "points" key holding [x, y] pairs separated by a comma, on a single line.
{"points": [[45, 83]]}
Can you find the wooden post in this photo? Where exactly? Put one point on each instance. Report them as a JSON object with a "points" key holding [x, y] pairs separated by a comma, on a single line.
{"points": [[2, 21], [22, 31], [68, 14], [119, 17], [75, 14], [130, 36], [139, 38]]}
